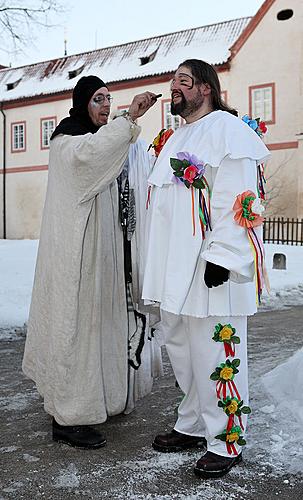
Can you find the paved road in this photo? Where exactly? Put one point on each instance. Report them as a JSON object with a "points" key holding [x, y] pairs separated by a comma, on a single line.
{"points": [[32, 466]]}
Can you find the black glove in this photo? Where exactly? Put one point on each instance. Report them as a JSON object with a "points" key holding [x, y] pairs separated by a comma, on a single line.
{"points": [[215, 275]]}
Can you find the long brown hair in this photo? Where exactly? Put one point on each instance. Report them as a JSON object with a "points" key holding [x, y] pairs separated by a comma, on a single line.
{"points": [[205, 73]]}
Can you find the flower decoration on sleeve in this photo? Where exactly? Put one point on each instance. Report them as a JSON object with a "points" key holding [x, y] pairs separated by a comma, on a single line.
{"points": [[160, 140], [248, 214], [256, 124], [189, 170], [226, 334]]}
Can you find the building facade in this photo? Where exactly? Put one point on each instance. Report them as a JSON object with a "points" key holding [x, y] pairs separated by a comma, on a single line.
{"points": [[260, 66]]}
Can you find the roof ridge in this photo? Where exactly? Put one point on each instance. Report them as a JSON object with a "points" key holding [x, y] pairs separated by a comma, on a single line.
{"points": [[126, 43]]}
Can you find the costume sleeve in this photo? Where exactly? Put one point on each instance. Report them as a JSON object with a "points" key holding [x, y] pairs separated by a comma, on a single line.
{"points": [[99, 157], [228, 244]]}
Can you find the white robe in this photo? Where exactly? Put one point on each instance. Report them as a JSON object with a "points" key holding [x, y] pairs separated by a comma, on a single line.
{"points": [[176, 258], [76, 347]]}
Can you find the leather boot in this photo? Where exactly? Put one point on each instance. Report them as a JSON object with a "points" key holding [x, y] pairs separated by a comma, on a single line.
{"points": [[175, 441], [212, 465], [78, 436]]}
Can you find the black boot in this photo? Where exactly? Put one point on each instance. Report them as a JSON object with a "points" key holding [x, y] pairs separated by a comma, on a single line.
{"points": [[212, 465], [175, 441], [78, 436]]}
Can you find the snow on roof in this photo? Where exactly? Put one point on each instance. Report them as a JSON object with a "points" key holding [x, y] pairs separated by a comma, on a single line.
{"points": [[124, 62]]}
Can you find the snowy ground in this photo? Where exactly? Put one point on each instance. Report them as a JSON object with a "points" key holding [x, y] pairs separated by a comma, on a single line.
{"points": [[274, 451], [17, 265]]}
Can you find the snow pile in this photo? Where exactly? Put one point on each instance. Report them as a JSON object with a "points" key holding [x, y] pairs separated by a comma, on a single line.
{"points": [[17, 266]]}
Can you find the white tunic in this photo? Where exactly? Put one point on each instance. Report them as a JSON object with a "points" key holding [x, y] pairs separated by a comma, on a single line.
{"points": [[176, 258], [76, 347]]}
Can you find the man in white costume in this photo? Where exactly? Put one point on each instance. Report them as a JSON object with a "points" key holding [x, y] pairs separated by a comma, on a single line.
{"points": [[200, 266], [76, 347]]}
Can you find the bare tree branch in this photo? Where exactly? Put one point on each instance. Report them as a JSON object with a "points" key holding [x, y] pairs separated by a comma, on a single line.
{"points": [[19, 20]]}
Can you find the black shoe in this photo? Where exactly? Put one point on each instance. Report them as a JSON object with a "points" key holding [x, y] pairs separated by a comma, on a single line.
{"points": [[175, 441], [78, 436], [212, 465]]}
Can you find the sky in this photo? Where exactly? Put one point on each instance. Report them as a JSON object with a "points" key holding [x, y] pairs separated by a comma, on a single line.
{"points": [[92, 24]]}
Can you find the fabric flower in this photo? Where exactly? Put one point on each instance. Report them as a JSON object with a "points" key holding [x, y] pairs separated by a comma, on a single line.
{"points": [[160, 140], [232, 437], [262, 127], [226, 373], [190, 173], [243, 208], [257, 125], [257, 207], [232, 406], [226, 333]]}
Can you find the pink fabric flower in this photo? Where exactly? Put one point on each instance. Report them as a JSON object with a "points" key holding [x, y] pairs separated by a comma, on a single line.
{"points": [[190, 173]]}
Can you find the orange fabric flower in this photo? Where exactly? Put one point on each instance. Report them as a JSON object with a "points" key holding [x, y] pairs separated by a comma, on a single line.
{"points": [[161, 139], [244, 214]]}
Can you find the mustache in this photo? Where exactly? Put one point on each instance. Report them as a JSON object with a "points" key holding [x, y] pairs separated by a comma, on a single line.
{"points": [[177, 93]]}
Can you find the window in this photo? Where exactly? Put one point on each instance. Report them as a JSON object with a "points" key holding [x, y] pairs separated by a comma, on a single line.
{"points": [[224, 96], [47, 126], [75, 72], [169, 120], [147, 59], [18, 137], [262, 102], [122, 108]]}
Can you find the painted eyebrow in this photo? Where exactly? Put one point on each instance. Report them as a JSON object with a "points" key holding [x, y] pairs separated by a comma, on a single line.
{"points": [[184, 74]]}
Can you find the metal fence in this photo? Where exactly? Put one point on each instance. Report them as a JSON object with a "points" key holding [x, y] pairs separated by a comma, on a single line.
{"points": [[283, 230]]}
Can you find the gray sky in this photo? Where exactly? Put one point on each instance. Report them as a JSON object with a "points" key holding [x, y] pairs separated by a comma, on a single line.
{"points": [[91, 24]]}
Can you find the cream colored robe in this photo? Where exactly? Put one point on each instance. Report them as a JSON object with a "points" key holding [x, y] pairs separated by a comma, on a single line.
{"points": [[76, 347]]}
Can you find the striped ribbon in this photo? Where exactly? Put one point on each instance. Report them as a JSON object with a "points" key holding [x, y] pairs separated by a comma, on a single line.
{"points": [[261, 181], [259, 262], [204, 209]]}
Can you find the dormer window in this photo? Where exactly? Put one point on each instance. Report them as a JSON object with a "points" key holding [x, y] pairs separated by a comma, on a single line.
{"points": [[147, 59], [285, 14], [13, 85], [75, 72]]}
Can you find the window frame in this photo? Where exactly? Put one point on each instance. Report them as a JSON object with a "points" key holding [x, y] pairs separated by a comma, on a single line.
{"points": [[13, 149], [224, 96], [123, 107], [44, 119], [163, 104], [251, 89]]}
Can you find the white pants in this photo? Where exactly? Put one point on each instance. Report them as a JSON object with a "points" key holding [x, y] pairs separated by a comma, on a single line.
{"points": [[194, 356]]}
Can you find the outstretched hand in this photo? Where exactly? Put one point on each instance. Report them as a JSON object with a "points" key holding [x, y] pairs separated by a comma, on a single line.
{"points": [[141, 103], [215, 275]]}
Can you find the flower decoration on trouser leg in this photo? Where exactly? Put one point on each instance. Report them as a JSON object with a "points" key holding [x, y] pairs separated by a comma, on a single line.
{"points": [[224, 375], [248, 209], [189, 170], [226, 334], [231, 437], [233, 407]]}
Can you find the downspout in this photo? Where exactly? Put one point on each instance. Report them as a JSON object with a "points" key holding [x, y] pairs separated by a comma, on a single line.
{"points": [[4, 173]]}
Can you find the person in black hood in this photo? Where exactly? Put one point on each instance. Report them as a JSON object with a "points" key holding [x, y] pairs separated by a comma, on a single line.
{"points": [[80, 122], [76, 347]]}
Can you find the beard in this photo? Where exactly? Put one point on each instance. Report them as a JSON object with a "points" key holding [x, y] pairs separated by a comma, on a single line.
{"points": [[185, 107]]}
